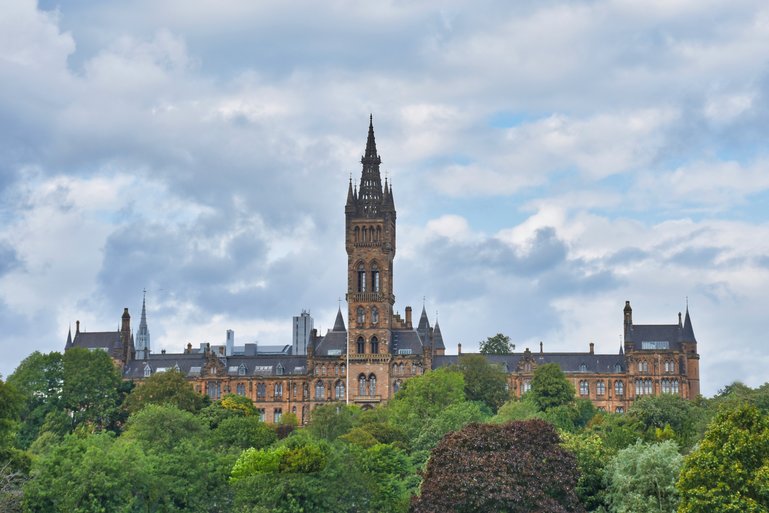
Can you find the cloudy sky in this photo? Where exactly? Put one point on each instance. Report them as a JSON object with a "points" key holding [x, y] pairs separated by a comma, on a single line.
{"points": [[549, 159]]}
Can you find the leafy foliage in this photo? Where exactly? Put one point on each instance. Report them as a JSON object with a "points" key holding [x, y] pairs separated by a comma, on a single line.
{"points": [[729, 471], [484, 381], [641, 478], [550, 388], [169, 388], [498, 344], [91, 388], [513, 467], [40, 378]]}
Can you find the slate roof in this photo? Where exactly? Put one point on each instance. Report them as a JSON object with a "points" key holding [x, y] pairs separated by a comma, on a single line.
{"points": [[406, 342], [438, 337], [191, 364], [568, 362]]}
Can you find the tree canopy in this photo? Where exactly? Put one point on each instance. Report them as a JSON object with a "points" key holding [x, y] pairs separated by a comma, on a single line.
{"points": [[514, 467], [550, 388], [170, 387], [729, 471], [498, 344], [484, 381]]}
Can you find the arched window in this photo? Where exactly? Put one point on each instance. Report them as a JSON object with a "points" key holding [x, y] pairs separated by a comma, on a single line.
{"points": [[374, 278], [372, 385], [374, 345], [339, 390], [396, 386], [584, 387], [147, 371], [241, 389], [356, 232], [365, 234], [336, 370], [619, 388], [401, 369], [323, 370], [319, 390], [648, 387], [361, 278], [619, 409], [600, 388], [378, 233], [395, 369], [361, 385], [617, 368], [242, 370], [675, 386], [526, 385], [361, 345], [360, 315], [582, 367], [374, 315], [639, 386], [278, 390], [261, 390], [342, 369]]}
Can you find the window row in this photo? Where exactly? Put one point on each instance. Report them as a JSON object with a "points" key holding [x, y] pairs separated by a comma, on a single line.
{"points": [[405, 369], [360, 315], [669, 366], [320, 390], [331, 370], [367, 233], [373, 344], [600, 388], [363, 283], [367, 387]]}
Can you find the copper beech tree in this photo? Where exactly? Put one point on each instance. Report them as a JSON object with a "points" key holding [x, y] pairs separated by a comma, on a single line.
{"points": [[514, 467]]}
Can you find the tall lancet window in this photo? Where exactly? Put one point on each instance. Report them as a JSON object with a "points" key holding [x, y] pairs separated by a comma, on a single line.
{"points": [[361, 278], [361, 315], [374, 278], [374, 315]]}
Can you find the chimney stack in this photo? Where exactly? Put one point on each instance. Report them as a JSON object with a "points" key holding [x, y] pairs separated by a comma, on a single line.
{"points": [[77, 327], [459, 348], [408, 317], [541, 347], [592, 346]]}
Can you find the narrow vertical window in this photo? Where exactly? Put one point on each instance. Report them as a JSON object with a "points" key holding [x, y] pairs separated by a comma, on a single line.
{"points": [[361, 278], [361, 385], [374, 315], [360, 315], [372, 385], [361, 345], [374, 278], [374, 345]]}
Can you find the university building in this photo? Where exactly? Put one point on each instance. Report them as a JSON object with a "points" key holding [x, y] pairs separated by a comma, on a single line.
{"points": [[371, 350]]}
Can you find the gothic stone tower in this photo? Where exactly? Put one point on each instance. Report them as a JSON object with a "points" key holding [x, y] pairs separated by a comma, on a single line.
{"points": [[370, 245]]}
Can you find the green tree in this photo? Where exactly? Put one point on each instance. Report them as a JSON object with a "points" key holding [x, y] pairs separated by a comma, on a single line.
{"points": [[517, 409], [642, 478], [423, 398], [453, 418], [729, 471], [170, 387], [484, 381], [513, 467], [550, 388], [40, 378], [332, 421], [656, 412], [239, 433], [592, 458], [11, 403], [85, 474], [162, 427], [498, 344], [91, 388]]}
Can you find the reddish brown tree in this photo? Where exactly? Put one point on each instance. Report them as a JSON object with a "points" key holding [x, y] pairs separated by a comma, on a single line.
{"points": [[513, 467]]}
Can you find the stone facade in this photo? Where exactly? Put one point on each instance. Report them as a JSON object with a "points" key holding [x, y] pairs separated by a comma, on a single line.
{"points": [[366, 364]]}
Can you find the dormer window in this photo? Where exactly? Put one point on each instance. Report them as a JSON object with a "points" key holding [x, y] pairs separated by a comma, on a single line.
{"points": [[242, 370], [147, 371], [582, 367], [279, 369]]}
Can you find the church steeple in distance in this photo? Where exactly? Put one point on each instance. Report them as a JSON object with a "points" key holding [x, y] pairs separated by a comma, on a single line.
{"points": [[143, 337]]}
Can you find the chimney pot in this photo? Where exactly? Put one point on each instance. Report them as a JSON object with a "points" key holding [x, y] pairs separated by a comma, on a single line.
{"points": [[541, 347], [77, 327], [459, 348], [408, 317]]}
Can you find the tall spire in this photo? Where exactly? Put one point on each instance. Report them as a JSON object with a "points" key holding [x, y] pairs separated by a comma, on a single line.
{"points": [[143, 337], [370, 191]]}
